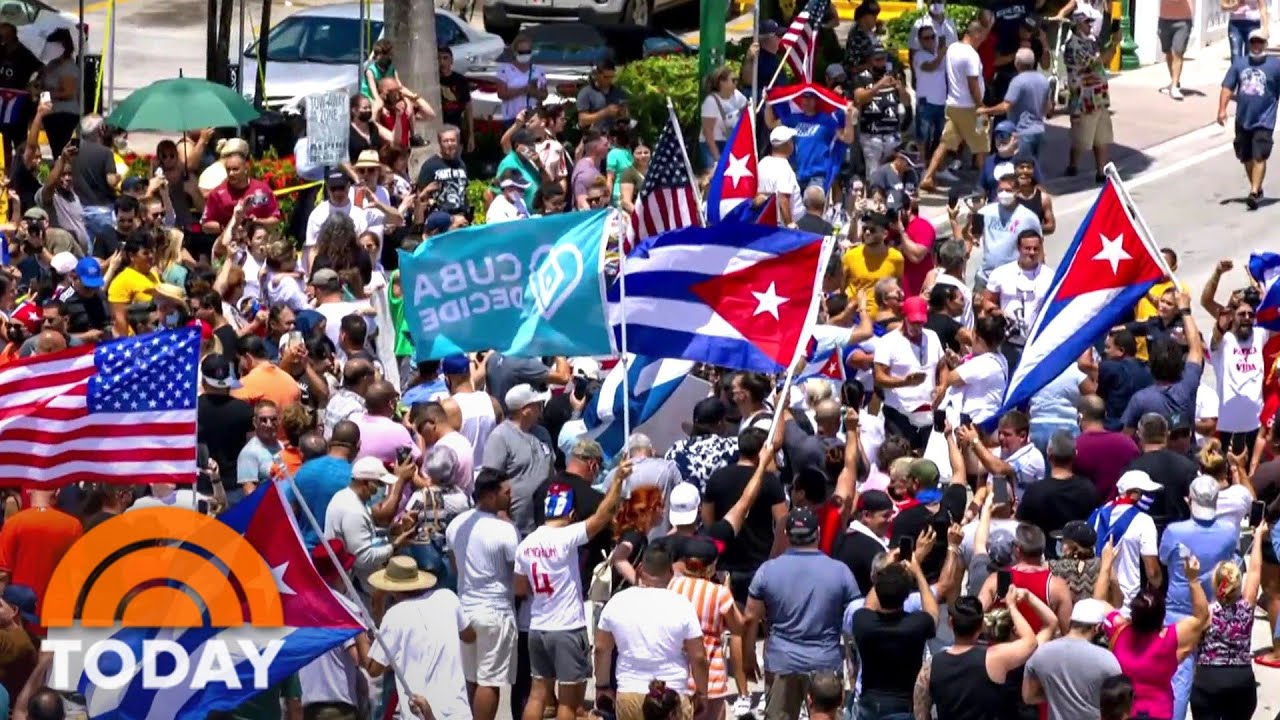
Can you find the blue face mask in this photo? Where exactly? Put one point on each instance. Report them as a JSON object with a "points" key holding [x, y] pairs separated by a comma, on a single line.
{"points": [[378, 496], [171, 320]]}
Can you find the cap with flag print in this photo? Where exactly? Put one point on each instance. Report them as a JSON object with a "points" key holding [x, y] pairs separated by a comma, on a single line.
{"points": [[668, 199], [800, 41], [559, 502], [1108, 267], [1264, 267], [830, 115], [736, 176], [735, 295]]}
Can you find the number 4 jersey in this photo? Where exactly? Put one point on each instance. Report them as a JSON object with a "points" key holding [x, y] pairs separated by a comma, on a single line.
{"points": [[549, 558]]}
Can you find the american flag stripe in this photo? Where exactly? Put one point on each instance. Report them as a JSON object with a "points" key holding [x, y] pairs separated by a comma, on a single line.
{"points": [[667, 200], [800, 41], [58, 418]]}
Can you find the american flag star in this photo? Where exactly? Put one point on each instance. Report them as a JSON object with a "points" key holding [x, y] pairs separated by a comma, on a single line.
{"points": [[667, 199], [800, 41]]}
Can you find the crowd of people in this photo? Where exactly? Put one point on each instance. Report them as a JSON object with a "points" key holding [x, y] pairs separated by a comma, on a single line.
{"points": [[859, 548]]}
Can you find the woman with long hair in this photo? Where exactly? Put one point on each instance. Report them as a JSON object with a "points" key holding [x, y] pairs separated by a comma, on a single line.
{"points": [[1031, 194], [713, 603], [1077, 563], [633, 177], [637, 516], [338, 248], [662, 703], [722, 105], [1224, 686], [981, 379], [1235, 491], [1149, 650]]}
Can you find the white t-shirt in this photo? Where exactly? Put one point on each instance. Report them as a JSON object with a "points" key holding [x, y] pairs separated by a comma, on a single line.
{"points": [[903, 357], [1028, 468], [1138, 541], [1206, 406], [1020, 292], [359, 217], [287, 290], [724, 112], [931, 85], [422, 634], [777, 176], [333, 677], [961, 64], [549, 558], [985, 379], [484, 549], [516, 79], [1239, 368], [649, 628], [871, 431], [966, 317], [943, 28], [1234, 503], [333, 313], [1057, 403]]}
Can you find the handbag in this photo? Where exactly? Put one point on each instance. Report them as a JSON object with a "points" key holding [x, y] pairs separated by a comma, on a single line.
{"points": [[431, 549]]}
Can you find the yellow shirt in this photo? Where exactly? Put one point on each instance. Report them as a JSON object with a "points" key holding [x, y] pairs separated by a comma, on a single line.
{"points": [[130, 286], [1146, 309], [860, 275]]}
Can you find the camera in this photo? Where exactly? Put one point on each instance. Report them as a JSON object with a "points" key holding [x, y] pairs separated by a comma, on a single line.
{"points": [[34, 227]]}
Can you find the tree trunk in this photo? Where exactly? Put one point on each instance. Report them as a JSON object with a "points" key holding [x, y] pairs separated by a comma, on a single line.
{"points": [[411, 27], [260, 69], [224, 39]]}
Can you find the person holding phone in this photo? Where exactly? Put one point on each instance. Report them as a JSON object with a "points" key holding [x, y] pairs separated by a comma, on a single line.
{"points": [[907, 363], [1020, 564], [1014, 456]]}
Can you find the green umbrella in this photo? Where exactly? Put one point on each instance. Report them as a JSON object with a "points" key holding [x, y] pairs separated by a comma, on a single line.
{"points": [[181, 104]]}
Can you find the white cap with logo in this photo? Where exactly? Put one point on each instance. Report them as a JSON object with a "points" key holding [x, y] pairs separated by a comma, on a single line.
{"points": [[1137, 480], [1203, 498], [685, 502]]}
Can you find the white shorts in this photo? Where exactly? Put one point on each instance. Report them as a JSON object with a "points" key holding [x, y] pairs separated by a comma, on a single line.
{"points": [[490, 661]]}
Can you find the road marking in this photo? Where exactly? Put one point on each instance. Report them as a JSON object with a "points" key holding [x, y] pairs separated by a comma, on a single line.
{"points": [[101, 5]]}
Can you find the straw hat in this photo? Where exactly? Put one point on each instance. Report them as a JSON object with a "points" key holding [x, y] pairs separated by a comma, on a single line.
{"points": [[172, 293], [402, 575], [368, 159]]}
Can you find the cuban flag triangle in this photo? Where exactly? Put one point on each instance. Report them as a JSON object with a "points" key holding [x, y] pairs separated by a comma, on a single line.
{"points": [[736, 176], [652, 383], [827, 363], [315, 620], [1264, 267], [735, 295], [1107, 268]]}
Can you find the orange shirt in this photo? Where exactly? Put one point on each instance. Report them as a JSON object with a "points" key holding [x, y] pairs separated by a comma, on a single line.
{"points": [[292, 459], [269, 382], [32, 542]]}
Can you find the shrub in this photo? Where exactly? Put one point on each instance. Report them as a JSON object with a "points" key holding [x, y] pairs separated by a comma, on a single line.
{"points": [[898, 29], [651, 81], [475, 199]]}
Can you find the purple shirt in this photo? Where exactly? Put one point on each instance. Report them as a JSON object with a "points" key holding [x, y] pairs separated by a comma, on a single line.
{"points": [[464, 477], [1101, 456], [380, 437]]}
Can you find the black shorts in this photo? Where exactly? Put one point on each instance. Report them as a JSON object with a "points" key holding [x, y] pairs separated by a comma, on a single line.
{"points": [[1253, 144]]}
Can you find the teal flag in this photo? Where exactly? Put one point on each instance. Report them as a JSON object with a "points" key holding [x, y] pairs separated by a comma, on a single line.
{"points": [[526, 288]]}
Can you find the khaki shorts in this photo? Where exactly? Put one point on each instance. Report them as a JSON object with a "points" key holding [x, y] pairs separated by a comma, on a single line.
{"points": [[1092, 130], [962, 126], [490, 660], [630, 706]]}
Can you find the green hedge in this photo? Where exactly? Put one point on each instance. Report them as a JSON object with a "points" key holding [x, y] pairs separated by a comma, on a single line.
{"points": [[898, 30]]}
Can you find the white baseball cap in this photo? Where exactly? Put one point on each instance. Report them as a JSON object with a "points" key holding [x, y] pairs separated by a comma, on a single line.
{"points": [[63, 263], [371, 468], [781, 135], [685, 502], [523, 395], [1089, 612], [1204, 498], [1137, 480], [586, 367]]}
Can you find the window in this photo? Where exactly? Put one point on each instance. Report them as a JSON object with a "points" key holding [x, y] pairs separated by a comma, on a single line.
{"points": [[448, 33], [318, 40], [656, 45], [17, 13]]}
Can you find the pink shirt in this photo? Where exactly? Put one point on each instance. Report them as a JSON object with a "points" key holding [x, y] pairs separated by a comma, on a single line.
{"points": [[380, 437], [921, 232], [464, 477], [260, 202], [1150, 662]]}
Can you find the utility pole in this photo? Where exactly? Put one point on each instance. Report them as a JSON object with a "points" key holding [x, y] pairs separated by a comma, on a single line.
{"points": [[411, 27]]}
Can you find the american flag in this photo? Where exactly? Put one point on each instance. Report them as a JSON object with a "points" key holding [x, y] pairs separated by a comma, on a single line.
{"points": [[121, 412], [667, 200], [800, 42]]}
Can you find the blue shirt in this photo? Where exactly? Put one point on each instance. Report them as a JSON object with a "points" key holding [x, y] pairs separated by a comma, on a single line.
{"points": [[804, 617], [1118, 381], [1257, 89], [427, 392], [318, 480], [1210, 542], [815, 136], [1027, 95], [1176, 402]]}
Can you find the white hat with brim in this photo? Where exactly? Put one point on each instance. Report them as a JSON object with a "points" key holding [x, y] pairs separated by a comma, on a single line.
{"points": [[1089, 612], [371, 468], [523, 395], [1137, 480], [402, 574]]}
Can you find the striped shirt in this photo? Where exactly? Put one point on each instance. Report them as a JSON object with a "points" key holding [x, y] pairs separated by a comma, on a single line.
{"points": [[711, 602]]}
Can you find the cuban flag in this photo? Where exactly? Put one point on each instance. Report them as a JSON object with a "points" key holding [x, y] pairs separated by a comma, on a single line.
{"points": [[766, 214], [315, 621], [1264, 267], [1108, 267], [735, 295], [822, 362], [734, 182], [652, 383], [785, 103]]}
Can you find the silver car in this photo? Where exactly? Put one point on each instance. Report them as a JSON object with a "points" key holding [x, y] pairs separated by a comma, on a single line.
{"points": [[318, 50], [505, 17]]}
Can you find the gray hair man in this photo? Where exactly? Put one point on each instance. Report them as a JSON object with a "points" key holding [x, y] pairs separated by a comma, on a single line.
{"points": [[96, 177], [649, 469], [1063, 496]]}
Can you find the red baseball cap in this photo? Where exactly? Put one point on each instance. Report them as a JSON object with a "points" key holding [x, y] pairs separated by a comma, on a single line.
{"points": [[915, 309]]}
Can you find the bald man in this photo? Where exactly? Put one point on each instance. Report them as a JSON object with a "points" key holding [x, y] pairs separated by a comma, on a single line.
{"points": [[815, 204], [349, 401], [381, 435], [50, 341]]}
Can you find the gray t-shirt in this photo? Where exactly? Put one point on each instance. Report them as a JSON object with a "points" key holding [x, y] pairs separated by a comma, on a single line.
{"points": [[1000, 228], [584, 175], [1072, 671], [896, 187], [805, 617], [592, 100], [527, 459], [1027, 94], [503, 373]]}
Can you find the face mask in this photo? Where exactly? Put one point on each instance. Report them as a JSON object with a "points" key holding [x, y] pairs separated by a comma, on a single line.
{"points": [[523, 58], [365, 115], [378, 496], [1257, 56], [936, 9], [1005, 198], [171, 320]]}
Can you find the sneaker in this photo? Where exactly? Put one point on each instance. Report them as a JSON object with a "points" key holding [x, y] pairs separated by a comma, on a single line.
{"points": [[947, 176], [1165, 90], [955, 166], [741, 707], [1175, 92], [758, 711], [1252, 200]]}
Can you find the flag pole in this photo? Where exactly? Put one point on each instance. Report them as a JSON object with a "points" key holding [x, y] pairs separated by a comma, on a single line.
{"points": [[755, 70], [1131, 207], [811, 318], [350, 588], [776, 74], [693, 179], [626, 365]]}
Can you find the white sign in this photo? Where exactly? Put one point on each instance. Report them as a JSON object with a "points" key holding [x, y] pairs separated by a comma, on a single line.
{"points": [[328, 127]]}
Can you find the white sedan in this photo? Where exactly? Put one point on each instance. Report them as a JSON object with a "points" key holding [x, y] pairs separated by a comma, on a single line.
{"points": [[35, 20]]}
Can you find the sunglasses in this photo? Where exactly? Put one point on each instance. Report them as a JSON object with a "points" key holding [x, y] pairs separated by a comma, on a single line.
{"points": [[269, 420]]}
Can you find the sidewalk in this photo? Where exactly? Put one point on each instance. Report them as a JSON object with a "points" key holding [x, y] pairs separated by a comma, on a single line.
{"points": [[1142, 119]]}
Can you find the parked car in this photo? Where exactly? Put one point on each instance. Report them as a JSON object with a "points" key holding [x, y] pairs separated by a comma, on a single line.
{"points": [[318, 50], [568, 51], [505, 17], [35, 20]]}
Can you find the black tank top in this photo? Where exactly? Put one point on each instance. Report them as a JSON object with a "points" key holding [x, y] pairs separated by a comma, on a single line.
{"points": [[1035, 203], [961, 688]]}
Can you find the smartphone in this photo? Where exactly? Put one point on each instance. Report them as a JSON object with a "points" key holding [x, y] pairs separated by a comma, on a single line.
{"points": [[1000, 491], [45, 97], [905, 547], [1184, 552], [416, 503], [953, 197], [1003, 580], [966, 419], [580, 386], [939, 420], [1256, 511], [403, 454]]}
